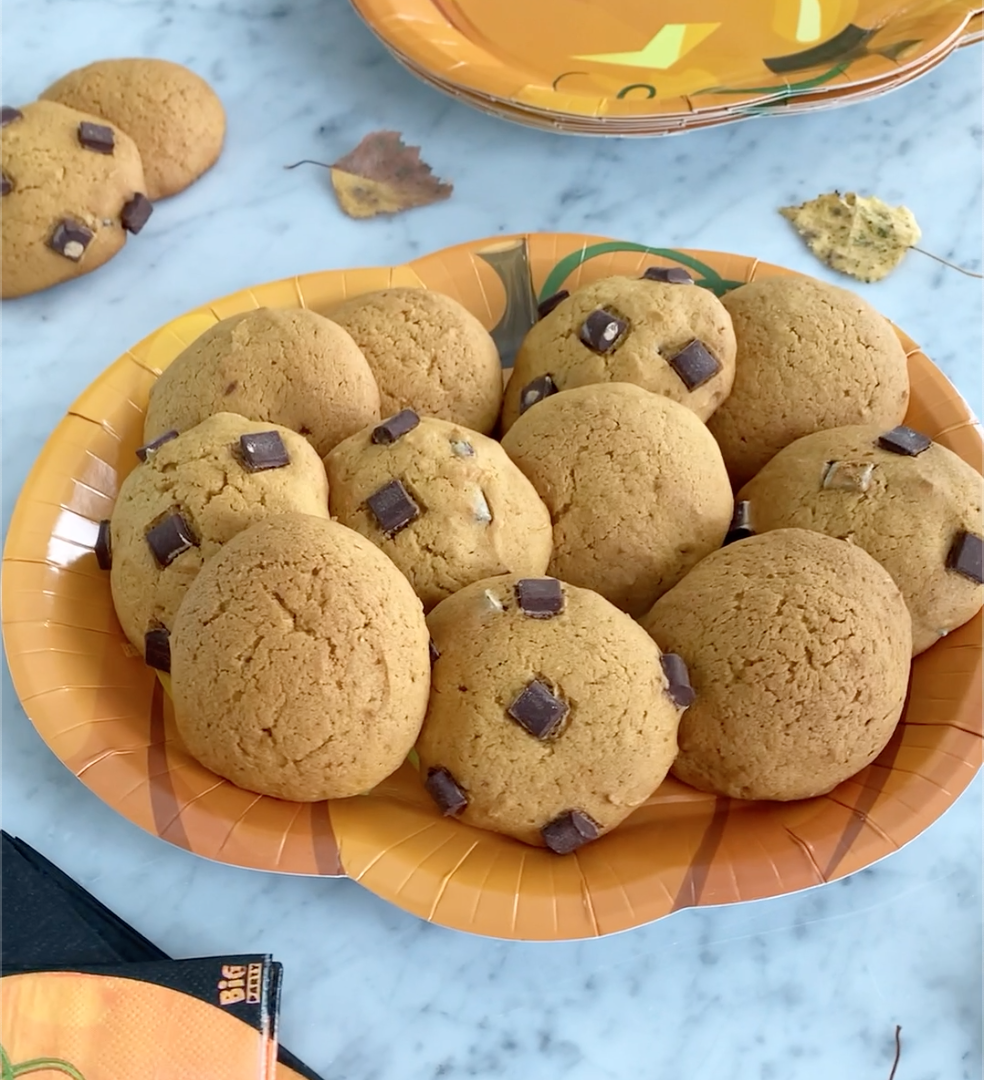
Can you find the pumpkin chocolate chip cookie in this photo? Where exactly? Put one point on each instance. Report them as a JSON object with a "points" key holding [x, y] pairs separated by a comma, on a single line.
{"points": [[552, 715], [300, 663]]}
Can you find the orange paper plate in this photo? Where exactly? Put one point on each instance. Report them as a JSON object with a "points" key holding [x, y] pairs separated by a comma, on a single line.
{"points": [[106, 716], [653, 58]]}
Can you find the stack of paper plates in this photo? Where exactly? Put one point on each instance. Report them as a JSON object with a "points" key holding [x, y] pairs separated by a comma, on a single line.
{"points": [[656, 67]]}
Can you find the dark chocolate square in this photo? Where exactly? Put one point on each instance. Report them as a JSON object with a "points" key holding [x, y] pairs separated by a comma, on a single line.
{"points": [[8, 114], [393, 508], [546, 306], [573, 829], [538, 710], [695, 364], [540, 598], [6, 184], [262, 450], [97, 137], [104, 547], [903, 440], [70, 238], [149, 449], [445, 791], [848, 476], [435, 652], [395, 427], [136, 213], [601, 331], [170, 538], [679, 689], [669, 275], [535, 391], [157, 649], [741, 523], [966, 556]]}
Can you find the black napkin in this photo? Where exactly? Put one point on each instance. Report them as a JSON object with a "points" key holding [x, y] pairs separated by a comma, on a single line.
{"points": [[51, 923]]}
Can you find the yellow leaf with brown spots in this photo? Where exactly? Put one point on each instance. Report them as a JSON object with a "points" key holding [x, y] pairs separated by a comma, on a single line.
{"points": [[857, 235]]}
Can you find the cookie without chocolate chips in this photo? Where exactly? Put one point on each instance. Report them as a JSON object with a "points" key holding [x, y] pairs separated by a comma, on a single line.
{"points": [[192, 493], [288, 366], [73, 185], [550, 718], [635, 486], [904, 499], [811, 356], [428, 353], [301, 665], [672, 339], [798, 648], [458, 509], [172, 114]]}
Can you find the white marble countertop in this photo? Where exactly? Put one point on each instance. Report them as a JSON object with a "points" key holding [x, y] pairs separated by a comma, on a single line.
{"points": [[797, 988]]}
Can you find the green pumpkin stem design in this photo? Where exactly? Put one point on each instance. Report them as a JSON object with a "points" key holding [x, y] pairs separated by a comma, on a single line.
{"points": [[9, 1071]]}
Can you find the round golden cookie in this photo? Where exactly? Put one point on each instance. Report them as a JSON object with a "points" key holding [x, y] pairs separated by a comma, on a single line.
{"points": [[172, 114], [191, 495], [635, 486], [66, 206], [546, 701], [444, 503], [810, 356], [300, 662], [914, 512], [288, 366], [428, 353], [798, 647], [628, 330]]}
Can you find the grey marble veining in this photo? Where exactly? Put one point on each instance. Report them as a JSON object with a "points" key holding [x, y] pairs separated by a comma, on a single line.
{"points": [[805, 987]]}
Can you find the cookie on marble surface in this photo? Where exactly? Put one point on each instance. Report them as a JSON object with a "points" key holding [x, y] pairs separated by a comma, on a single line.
{"points": [[301, 663], [444, 503], [659, 332], [193, 493], [288, 366], [634, 483], [73, 186], [910, 503], [172, 114], [798, 647], [551, 717], [811, 356], [428, 353]]}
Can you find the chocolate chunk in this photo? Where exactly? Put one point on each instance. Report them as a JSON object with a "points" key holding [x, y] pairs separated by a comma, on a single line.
{"points": [[481, 508], [540, 598], [536, 391], [136, 213], [570, 831], [104, 547], [170, 538], [966, 556], [393, 508], [435, 652], [903, 440], [675, 670], [157, 649], [670, 275], [396, 426], [694, 364], [445, 791], [538, 710], [8, 114], [848, 476], [149, 449], [601, 330], [96, 137], [70, 238], [6, 184], [263, 450], [741, 523], [546, 306], [461, 448]]}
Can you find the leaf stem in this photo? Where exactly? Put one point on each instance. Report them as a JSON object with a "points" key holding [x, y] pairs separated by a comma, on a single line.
{"points": [[946, 262]]}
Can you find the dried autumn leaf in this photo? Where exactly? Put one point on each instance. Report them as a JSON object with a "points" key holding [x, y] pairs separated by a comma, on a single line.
{"points": [[382, 175], [860, 236]]}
